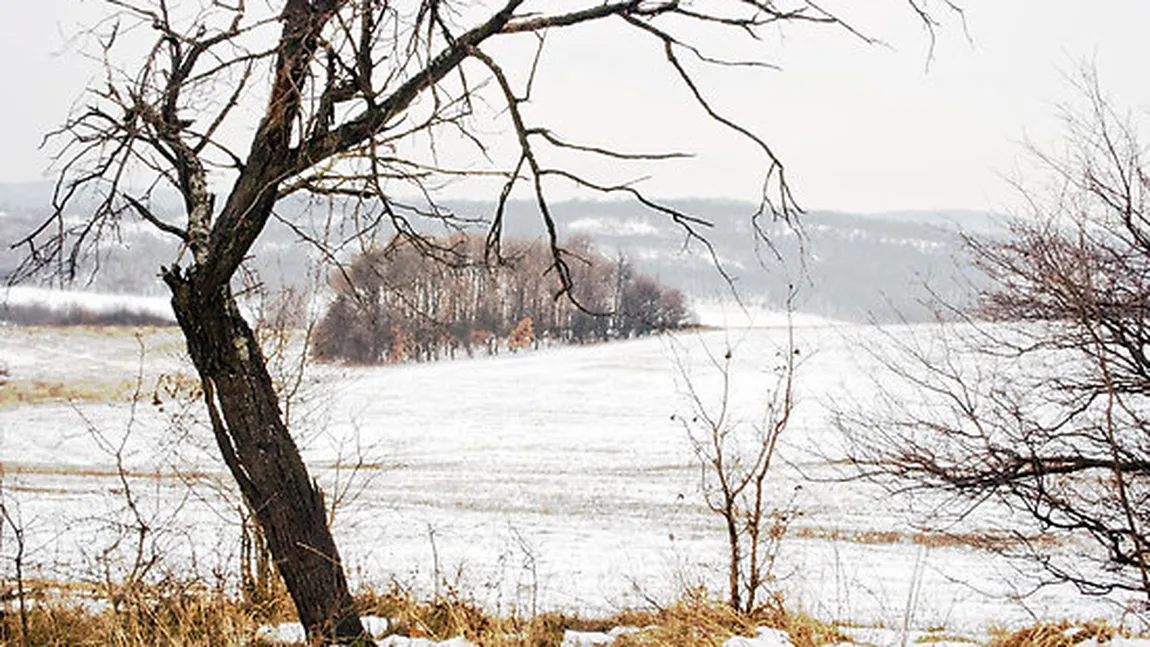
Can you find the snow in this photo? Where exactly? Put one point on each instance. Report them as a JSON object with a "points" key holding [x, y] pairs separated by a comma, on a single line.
{"points": [[1117, 641], [886, 637], [554, 479], [594, 638], [586, 639], [401, 641], [288, 632], [612, 227], [95, 302], [293, 632], [375, 625], [766, 637], [723, 314]]}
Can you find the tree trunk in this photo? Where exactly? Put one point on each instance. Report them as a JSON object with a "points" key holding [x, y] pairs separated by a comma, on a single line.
{"points": [[263, 457], [731, 517]]}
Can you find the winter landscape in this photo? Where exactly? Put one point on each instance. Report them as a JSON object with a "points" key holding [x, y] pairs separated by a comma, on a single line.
{"points": [[556, 479], [523, 323]]}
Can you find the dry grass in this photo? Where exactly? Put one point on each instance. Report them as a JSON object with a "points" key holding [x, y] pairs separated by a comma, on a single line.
{"points": [[453, 615], [696, 620], [940, 636], [165, 388], [70, 470], [192, 615], [699, 619], [187, 615], [982, 541], [1063, 634], [14, 393]]}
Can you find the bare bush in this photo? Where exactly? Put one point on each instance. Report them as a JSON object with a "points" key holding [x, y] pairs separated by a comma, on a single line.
{"points": [[1040, 402], [735, 457]]}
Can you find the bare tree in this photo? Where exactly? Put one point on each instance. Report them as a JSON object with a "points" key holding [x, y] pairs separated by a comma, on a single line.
{"points": [[735, 457], [233, 107], [1039, 401]]}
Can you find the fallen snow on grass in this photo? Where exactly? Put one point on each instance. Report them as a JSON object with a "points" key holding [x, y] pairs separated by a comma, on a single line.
{"points": [[885, 637], [293, 632], [766, 637], [594, 638], [1117, 641], [551, 480], [402, 641], [285, 632]]}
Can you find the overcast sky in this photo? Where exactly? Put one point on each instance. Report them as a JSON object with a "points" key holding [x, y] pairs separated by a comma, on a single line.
{"points": [[861, 128]]}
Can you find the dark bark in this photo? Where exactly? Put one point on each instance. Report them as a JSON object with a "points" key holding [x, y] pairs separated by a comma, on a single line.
{"points": [[263, 457]]}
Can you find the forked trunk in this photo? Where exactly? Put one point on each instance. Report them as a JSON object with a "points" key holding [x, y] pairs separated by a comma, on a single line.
{"points": [[263, 458]]}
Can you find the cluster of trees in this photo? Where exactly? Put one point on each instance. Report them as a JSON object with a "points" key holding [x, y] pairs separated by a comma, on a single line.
{"points": [[398, 303]]}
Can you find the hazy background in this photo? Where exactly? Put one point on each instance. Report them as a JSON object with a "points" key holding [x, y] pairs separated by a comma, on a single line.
{"points": [[861, 128]]}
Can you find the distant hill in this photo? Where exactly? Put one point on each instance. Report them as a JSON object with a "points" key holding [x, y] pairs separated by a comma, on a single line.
{"points": [[855, 267]]}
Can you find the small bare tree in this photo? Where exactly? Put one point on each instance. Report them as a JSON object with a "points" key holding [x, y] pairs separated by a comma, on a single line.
{"points": [[734, 458], [1040, 401]]}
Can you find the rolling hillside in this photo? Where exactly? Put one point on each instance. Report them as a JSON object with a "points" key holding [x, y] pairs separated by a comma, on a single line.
{"points": [[853, 267]]}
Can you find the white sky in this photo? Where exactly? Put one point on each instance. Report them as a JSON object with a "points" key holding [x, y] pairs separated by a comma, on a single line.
{"points": [[861, 128]]}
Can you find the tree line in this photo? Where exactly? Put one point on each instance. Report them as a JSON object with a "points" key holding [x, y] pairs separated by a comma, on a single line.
{"points": [[398, 303]]}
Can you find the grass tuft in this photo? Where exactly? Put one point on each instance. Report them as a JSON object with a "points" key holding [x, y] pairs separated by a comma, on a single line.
{"points": [[15, 393], [1062, 634], [170, 613]]}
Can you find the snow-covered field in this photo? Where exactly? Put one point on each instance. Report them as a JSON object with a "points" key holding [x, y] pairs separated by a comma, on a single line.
{"points": [[20, 295], [555, 479]]}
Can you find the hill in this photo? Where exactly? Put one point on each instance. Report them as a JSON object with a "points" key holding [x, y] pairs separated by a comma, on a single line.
{"points": [[854, 267]]}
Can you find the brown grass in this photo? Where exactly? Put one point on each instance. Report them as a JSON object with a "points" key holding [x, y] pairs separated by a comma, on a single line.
{"points": [[1063, 634], [172, 613], [69, 470], [943, 637], [453, 615], [14, 393], [982, 541], [699, 619], [696, 620], [165, 388], [192, 615]]}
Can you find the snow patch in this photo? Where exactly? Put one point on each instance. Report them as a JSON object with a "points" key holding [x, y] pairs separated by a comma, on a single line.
{"points": [[613, 227], [288, 632], [292, 632], [885, 637], [767, 638], [594, 638], [1117, 641], [375, 625], [401, 641]]}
